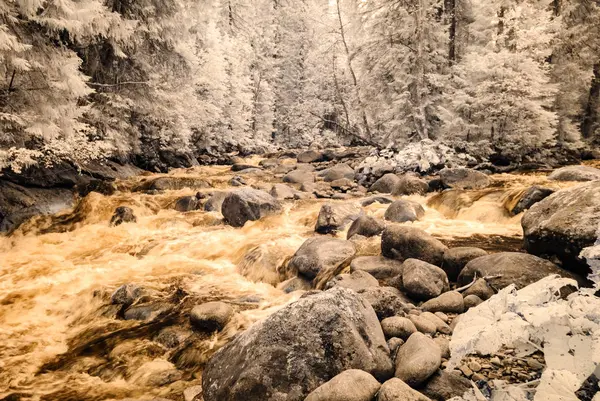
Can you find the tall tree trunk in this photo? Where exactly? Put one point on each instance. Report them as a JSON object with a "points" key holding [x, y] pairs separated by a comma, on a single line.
{"points": [[591, 118], [420, 112], [352, 73], [450, 8]]}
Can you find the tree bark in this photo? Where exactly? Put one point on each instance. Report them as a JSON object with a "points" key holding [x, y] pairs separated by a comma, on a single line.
{"points": [[450, 8], [591, 118], [421, 112]]}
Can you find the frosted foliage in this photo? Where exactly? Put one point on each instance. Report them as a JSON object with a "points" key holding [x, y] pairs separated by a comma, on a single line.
{"points": [[535, 317]]}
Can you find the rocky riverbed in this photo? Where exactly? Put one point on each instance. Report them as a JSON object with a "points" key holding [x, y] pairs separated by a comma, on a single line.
{"points": [[314, 276]]}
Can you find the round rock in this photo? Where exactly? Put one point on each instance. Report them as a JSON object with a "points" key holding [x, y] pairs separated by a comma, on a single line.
{"points": [[350, 385], [448, 302], [397, 326], [403, 242], [211, 316], [402, 211], [422, 280], [418, 359]]}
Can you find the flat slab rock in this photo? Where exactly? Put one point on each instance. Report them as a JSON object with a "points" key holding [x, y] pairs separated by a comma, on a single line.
{"points": [[299, 348]]}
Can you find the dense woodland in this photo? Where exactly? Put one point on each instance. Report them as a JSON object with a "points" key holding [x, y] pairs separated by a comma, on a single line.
{"points": [[83, 79]]}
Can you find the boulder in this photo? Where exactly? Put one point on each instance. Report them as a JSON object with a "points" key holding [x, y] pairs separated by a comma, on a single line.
{"points": [[418, 359], [295, 284], [343, 184], [122, 214], [355, 281], [444, 344], [238, 181], [299, 348], [401, 211], [215, 202], [464, 178], [410, 185], [281, 192], [481, 289], [575, 173], [337, 172], [397, 326], [440, 325], [211, 316], [126, 294], [384, 200], [455, 259], [448, 302], [422, 280], [563, 224], [147, 311], [377, 266], [423, 325], [321, 254], [385, 184], [336, 216], [404, 242], [472, 301], [444, 385], [299, 176], [186, 204], [396, 390], [507, 268], [310, 156], [350, 385], [530, 197], [245, 204], [172, 183], [242, 166], [365, 225], [386, 301]]}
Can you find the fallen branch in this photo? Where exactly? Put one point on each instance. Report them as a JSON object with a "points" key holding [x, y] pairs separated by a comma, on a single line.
{"points": [[347, 131], [486, 278]]}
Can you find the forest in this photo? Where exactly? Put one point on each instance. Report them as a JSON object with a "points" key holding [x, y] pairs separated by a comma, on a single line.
{"points": [[161, 82]]}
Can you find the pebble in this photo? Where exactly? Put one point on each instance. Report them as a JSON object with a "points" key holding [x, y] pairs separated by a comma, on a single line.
{"points": [[496, 361], [533, 364], [466, 370], [442, 316], [475, 366]]}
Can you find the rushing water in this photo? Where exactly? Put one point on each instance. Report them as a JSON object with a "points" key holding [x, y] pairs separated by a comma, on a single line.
{"points": [[61, 339]]}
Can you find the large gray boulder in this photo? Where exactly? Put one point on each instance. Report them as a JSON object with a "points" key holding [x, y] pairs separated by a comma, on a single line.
{"points": [[563, 224], [404, 242], [402, 211], [422, 280], [386, 301], [245, 204], [530, 197], [350, 385], [337, 172], [336, 216], [455, 259], [322, 254], [385, 184], [297, 349], [409, 185], [377, 266], [575, 173], [309, 156], [507, 268], [367, 226], [463, 178], [418, 359]]}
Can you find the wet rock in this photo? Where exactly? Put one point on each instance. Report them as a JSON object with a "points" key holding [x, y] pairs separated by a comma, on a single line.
{"points": [[367, 226], [343, 184], [532, 196], [563, 224], [172, 183], [172, 337], [418, 359], [215, 202], [355, 281], [310, 156], [423, 325], [377, 266], [403, 242], [386, 301], [410, 185], [444, 385], [422, 280], [193, 393], [269, 163], [481, 289], [472, 301], [297, 349], [463, 178], [321, 253], [245, 204], [123, 214], [335, 216], [397, 326], [146, 312], [435, 185], [299, 176], [295, 284], [396, 390], [455, 259], [507, 268], [237, 181], [575, 173], [186, 204], [211, 316], [385, 184], [241, 167], [402, 211], [440, 325], [448, 302], [126, 294], [337, 172], [384, 200], [282, 191], [350, 385]]}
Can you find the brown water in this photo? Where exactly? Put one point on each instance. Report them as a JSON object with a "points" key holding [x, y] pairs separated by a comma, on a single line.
{"points": [[61, 339]]}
